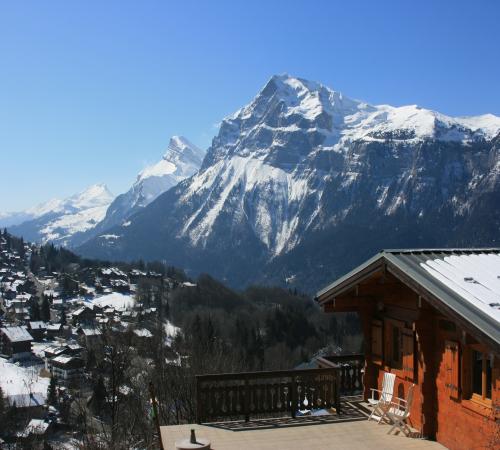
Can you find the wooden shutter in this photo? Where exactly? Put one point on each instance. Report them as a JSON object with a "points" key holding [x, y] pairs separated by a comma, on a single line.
{"points": [[452, 367], [408, 353], [377, 341]]}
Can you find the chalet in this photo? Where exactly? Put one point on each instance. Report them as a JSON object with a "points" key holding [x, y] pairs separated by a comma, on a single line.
{"points": [[84, 315], [432, 318], [36, 427], [136, 275], [52, 352], [32, 405], [15, 342], [120, 285], [37, 329], [54, 330], [67, 368], [89, 335]]}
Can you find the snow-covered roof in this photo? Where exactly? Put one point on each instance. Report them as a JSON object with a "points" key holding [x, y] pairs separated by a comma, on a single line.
{"points": [[26, 400], [475, 277], [35, 426], [38, 325], [467, 281], [143, 332], [91, 331], [16, 334]]}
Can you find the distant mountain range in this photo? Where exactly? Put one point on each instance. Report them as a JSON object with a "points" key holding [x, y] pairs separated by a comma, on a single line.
{"points": [[82, 216], [303, 183], [298, 186], [57, 220]]}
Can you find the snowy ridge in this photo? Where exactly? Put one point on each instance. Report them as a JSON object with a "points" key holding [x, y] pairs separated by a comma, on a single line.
{"points": [[295, 177], [181, 160], [262, 165], [58, 220]]}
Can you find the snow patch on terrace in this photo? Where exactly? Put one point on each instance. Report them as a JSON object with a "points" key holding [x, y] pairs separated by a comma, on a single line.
{"points": [[115, 300], [19, 380]]}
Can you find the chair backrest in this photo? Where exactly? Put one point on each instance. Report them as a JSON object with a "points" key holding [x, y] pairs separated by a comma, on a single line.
{"points": [[387, 387], [409, 400]]}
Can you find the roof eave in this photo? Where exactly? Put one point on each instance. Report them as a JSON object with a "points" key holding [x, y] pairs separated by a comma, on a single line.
{"points": [[350, 279]]}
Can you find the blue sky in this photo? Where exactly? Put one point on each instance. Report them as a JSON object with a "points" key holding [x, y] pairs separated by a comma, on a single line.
{"points": [[91, 91]]}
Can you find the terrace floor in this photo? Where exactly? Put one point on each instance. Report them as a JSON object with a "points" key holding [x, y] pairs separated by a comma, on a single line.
{"points": [[350, 431]]}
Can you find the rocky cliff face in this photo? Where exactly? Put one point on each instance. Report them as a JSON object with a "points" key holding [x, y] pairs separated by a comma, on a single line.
{"points": [[303, 183]]}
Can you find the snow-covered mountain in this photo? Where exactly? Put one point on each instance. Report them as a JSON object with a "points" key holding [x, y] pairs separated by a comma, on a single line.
{"points": [[304, 182], [181, 160], [59, 220]]}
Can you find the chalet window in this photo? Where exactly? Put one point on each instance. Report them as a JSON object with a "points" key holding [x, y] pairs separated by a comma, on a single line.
{"points": [[481, 376], [396, 346], [393, 345], [377, 341], [408, 340]]}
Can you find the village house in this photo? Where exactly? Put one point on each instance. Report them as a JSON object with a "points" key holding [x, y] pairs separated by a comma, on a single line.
{"points": [[53, 330], [67, 369], [84, 316], [37, 329], [15, 342], [432, 318]]}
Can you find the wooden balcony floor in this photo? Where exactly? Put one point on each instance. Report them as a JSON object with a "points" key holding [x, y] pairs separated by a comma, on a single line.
{"points": [[349, 431]]}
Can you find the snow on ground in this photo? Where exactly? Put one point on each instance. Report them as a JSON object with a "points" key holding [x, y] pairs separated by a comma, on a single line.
{"points": [[19, 380], [115, 300], [171, 331], [38, 348]]}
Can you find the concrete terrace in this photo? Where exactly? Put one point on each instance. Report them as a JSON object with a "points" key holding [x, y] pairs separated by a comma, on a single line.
{"points": [[349, 435]]}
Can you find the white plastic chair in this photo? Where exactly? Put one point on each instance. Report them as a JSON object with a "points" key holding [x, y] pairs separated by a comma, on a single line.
{"points": [[399, 412], [383, 402]]}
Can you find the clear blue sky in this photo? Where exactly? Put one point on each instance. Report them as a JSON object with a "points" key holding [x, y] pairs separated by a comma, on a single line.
{"points": [[91, 91]]}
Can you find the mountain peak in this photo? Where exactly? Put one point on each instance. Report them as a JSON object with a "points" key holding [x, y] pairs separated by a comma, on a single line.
{"points": [[180, 145], [94, 195]]}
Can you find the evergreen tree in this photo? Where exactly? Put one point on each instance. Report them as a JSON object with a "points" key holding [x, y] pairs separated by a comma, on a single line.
{"points": [[99, 396], [63, 320], [91, 359], [35, 309], [2, 405], [52, 392], [45, 309]]}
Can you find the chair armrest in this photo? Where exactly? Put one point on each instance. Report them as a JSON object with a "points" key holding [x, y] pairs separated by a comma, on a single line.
{"points": [[399, 403], [373, 392]]}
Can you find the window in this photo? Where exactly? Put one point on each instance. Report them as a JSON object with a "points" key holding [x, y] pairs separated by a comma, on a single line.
{"points": [[396, 346], [377, 341], [480, 376], [393, 344]]}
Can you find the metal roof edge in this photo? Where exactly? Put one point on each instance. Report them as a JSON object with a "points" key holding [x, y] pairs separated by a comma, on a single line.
{"points": [[452, 300], [357, 270]]}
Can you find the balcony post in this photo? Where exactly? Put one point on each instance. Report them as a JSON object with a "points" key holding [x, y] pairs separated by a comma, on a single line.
{"points": [[198, 402], [293, 395], [337, 390], [246, 406]]}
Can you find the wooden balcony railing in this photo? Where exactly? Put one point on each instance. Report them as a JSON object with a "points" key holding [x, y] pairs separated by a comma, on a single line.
{"points": [[259, 394], [351, 369]]}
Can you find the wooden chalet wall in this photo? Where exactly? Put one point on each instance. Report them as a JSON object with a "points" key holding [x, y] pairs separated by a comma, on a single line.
{"points": [[435, 355]]}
